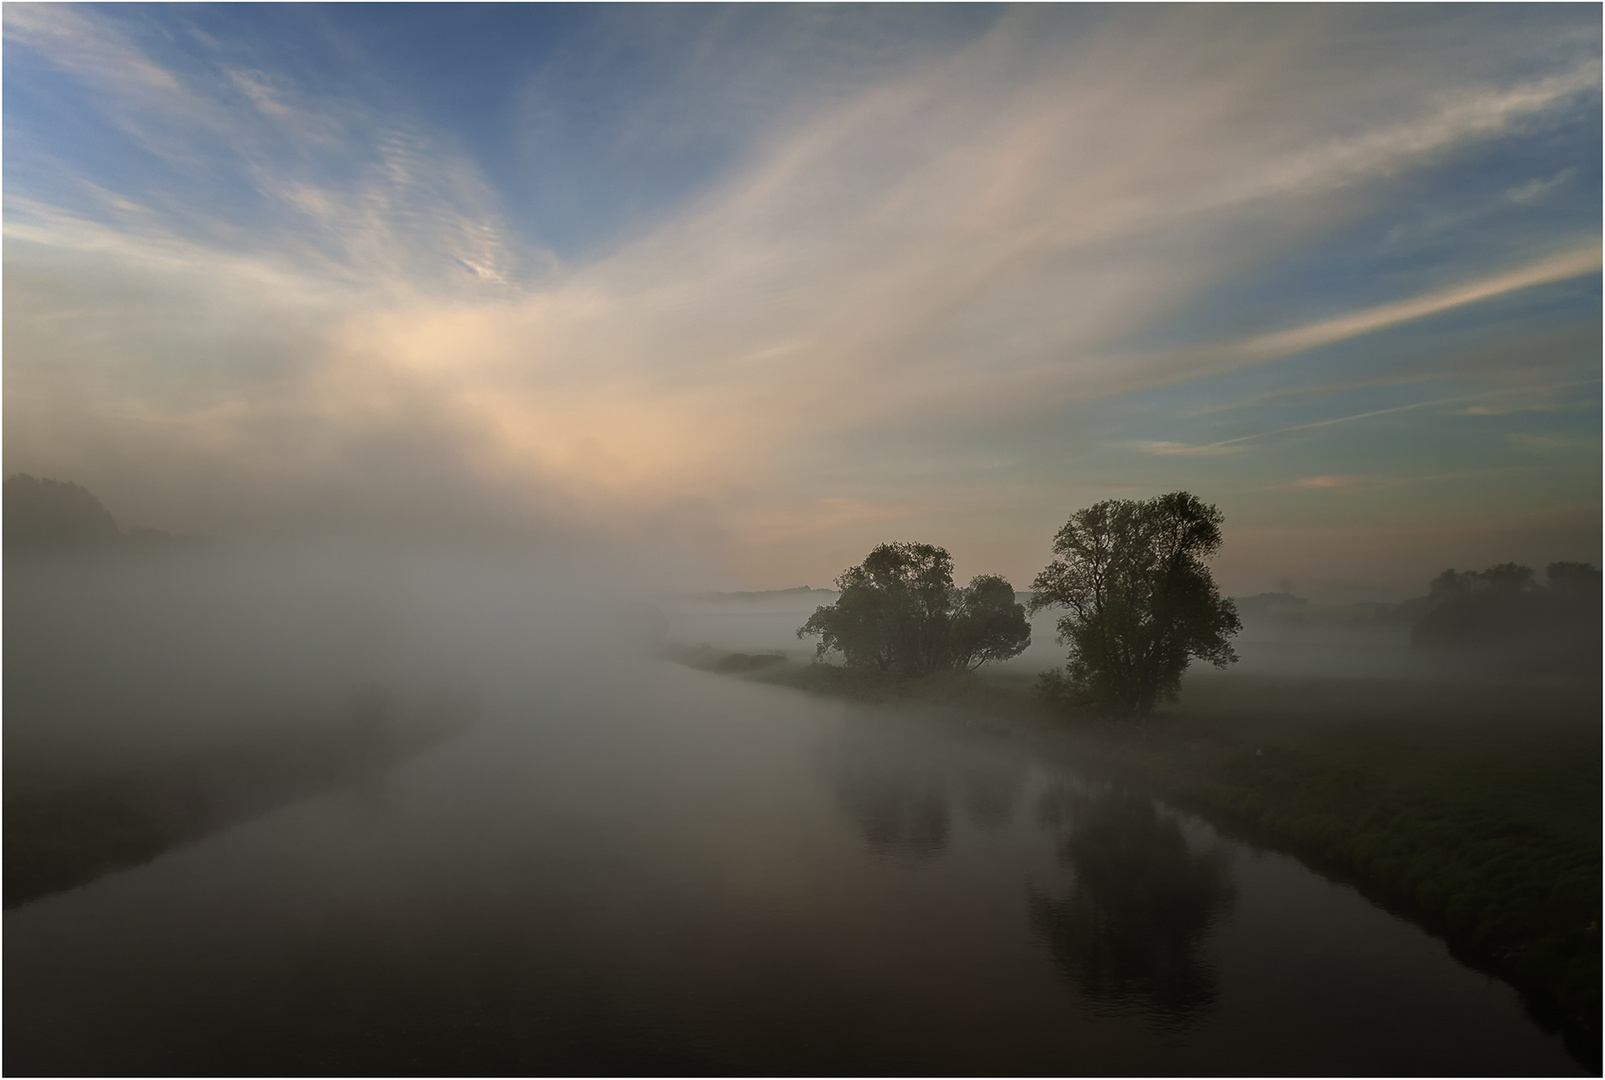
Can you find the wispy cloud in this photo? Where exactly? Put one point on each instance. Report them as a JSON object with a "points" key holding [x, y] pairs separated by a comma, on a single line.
{"points": [[330, 186], [1552, 444], [978, 237], [1234, 444], [1322, 483], [1226, 446], [1165, 448], [95, 51], [1560, 267], [1194, 362], [1536, 190], [1298, 395]]}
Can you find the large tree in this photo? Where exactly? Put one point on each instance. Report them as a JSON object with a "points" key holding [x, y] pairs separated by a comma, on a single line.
{"points": [[1140, 601], [900, 612]]}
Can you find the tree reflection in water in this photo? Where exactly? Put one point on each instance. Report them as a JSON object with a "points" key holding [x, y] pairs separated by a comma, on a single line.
{"points": [[900, 789], [899, 801], [992, 789], [1130, 932]]}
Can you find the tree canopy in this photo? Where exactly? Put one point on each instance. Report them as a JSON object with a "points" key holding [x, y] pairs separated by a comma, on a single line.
{"points": [[988, 626], [900, 612], [1141, 602]]}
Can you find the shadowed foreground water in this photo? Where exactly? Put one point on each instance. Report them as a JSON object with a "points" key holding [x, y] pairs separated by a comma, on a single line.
{"points": [[668, 871]]}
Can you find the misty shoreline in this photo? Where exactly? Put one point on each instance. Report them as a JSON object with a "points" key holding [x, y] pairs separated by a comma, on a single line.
{"points": [[1357, 779], [66, 827]]}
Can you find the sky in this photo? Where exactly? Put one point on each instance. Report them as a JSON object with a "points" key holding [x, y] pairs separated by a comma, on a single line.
{"points": [[739, 292]]}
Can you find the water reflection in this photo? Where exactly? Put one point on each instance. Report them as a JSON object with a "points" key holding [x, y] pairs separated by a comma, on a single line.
{"points": [[664, 885], [901, 792], [898, 800], [1130, 932], [992, 791]]}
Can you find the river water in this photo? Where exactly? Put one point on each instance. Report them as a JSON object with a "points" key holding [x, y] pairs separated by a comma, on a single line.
{"points": [[656, 870]]}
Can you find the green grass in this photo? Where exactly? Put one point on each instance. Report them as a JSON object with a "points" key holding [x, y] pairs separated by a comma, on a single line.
{"points": [[1473, 810]]}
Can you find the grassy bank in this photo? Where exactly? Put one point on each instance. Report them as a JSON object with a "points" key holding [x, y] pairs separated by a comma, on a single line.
{"points": [[65, 827], [1473, 810]]}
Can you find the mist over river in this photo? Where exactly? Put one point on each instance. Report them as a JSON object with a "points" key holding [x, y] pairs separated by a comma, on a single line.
{"points": [[428, 426], [629, 866]]}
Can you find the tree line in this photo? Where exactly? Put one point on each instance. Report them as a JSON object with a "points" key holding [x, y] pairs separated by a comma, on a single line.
{"points": [[1131, 577], [1139, 604], [1505, 617]]}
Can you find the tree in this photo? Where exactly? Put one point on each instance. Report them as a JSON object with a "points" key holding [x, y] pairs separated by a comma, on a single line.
{"points": [[900, 612], [988, 625], [1141, 601]]}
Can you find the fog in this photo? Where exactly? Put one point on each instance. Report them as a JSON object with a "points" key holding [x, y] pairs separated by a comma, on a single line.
{"points": [[117, 654], [129, 657], [608, 862], [1282, 637], [394, 397]]}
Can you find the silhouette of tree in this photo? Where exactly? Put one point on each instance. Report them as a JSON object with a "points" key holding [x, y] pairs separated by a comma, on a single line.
{"points": [[1479, 608], [1503, 616], [988, 625], [900, 612], [1573, 578], [1505, 578], [1142, 603]]}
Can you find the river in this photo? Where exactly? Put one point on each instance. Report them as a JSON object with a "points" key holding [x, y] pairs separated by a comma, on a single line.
{"points": [[656, 870]]}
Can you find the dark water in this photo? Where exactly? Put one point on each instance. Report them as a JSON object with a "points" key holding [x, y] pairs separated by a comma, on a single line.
{"points": [[666, 871]]}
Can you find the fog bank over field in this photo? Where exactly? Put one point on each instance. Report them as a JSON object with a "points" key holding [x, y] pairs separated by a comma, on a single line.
{"points": [[1283, 636], [126, 645]]}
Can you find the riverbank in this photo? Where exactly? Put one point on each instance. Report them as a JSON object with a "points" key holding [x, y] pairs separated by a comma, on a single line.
{"points": [[1475, 811], [64, 827]]}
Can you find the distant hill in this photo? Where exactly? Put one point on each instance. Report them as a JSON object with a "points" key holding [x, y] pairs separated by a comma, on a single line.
{"points": [[48, 516], [55, 515], [801, 592]]}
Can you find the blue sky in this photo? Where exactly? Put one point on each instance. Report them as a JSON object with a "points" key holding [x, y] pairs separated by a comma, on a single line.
{"points": [[767, 285]]}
